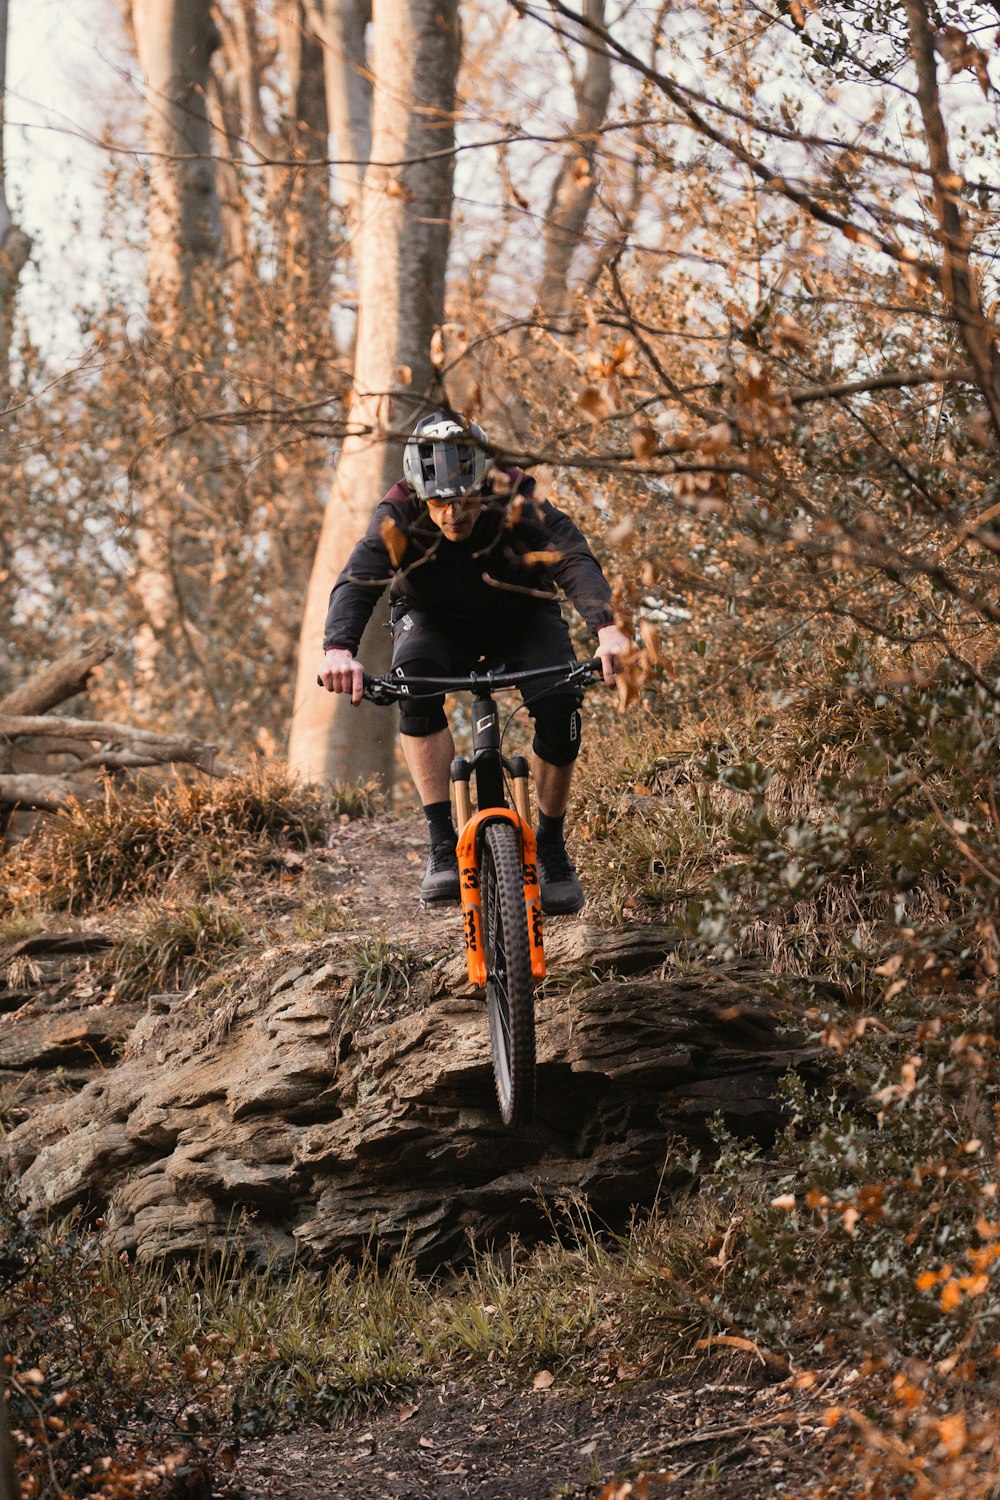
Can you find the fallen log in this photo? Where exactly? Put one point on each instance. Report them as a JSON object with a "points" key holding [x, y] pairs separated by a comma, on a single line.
{"points": [[120, 744], [41, 793], [64, 678], [29, 731]]}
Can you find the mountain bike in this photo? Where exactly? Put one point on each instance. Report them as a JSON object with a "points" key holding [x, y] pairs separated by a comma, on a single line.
{"points": [[498, 869]]}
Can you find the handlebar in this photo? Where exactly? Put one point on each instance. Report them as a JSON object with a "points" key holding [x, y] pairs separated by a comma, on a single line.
{"points": [[388, 689]]}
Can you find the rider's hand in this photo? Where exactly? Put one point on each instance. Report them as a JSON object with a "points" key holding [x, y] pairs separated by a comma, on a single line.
{"points": [[340, 673], [613, 650]]}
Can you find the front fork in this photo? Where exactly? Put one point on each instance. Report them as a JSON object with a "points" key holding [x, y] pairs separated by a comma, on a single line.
{"points": [[469, 844]]}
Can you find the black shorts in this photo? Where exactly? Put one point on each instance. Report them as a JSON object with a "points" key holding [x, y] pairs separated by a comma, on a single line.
{"points": [[427, 645]]}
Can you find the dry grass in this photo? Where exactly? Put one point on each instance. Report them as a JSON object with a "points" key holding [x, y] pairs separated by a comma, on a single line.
{"points": [[195, 837]]}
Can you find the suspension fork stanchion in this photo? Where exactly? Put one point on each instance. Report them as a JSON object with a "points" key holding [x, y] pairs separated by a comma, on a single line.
{"points": [[460, 774], [519, 778]]}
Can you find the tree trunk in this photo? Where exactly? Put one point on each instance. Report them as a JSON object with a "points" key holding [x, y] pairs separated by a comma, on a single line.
{"points": [[303, 224], [957, 278], [14, 243], [575, 185], [340, 26], [403, 248], [174, 41]]}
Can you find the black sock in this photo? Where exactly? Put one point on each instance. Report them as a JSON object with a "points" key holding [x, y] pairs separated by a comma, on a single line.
{"points": [[550, 830], [442, 829]]}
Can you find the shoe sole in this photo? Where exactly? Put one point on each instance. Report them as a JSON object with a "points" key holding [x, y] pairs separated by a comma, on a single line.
{"points": [[563, 911], [450, 899]]}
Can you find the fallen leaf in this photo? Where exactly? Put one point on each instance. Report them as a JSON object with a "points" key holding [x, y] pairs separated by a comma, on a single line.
{"points": [[424, 1442], [715, 439], [543, 1380], [621, 532], [651, 641], [977, 427], [406, 1412], [783, 1200], [734, 1341]]}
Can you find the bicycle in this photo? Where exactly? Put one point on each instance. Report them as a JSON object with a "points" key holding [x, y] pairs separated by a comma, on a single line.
{"points": [[498, 869]]}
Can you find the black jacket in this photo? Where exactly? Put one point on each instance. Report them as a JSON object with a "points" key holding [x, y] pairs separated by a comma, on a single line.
{"points": [[520, 549]]}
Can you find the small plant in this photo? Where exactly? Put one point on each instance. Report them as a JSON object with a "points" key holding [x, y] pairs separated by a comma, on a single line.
{"points": [[322, 916], [381, 971], [172, 950]]}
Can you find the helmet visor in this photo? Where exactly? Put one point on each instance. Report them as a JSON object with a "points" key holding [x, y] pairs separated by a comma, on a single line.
{"points": [[449, 470]]}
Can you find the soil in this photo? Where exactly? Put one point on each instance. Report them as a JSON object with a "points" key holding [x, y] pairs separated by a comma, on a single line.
{"points": [[735, 1428], [378, 865], [730, 1437]]}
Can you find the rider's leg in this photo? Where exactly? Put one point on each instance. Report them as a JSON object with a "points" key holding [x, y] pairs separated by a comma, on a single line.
{"points": [[422, 650], [552, 785], [554, 751], [428, 760]]}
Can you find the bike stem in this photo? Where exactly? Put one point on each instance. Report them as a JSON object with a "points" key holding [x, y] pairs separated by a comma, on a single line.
{"points": [[489, 764]]}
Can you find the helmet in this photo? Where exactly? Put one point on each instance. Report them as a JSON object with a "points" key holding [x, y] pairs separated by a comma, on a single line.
{"points": [[443, 460]]}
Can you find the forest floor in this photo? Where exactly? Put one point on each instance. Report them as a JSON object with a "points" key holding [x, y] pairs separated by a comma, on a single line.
{"points": [[726, 1438], [731, 1428]]}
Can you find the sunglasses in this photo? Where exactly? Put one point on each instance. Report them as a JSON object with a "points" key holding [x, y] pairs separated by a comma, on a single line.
{"points": [[458, 501]]}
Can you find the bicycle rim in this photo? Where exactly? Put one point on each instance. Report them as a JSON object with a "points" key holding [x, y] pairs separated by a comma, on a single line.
{"points": [[510, 991]]}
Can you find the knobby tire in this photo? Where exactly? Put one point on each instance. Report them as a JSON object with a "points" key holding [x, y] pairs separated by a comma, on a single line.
{"points": [[510, 990]]}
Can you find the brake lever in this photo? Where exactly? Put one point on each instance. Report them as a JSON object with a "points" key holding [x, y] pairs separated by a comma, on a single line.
{"points": [[373, 689]]}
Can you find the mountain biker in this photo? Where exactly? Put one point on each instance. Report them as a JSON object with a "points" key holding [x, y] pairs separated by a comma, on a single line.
{"points": [[475, 562]]}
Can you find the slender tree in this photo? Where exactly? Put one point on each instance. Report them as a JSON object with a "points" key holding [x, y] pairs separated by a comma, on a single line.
{"points": [[14, 243], [403, 249], [174, 41]]}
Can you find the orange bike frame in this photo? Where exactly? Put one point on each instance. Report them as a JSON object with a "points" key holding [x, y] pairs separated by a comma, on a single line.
{"points": [[472, 909]]}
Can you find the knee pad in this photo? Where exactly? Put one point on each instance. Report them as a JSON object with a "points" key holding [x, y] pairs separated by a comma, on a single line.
{"points": [[558, 724], [421, 716]]}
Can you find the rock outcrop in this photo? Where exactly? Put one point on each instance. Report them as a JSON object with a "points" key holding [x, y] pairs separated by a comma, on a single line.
{"points": [[281, 1110]]}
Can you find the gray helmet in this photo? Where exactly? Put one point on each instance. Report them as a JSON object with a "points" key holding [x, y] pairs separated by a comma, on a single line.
{"points": [[443, 460]]}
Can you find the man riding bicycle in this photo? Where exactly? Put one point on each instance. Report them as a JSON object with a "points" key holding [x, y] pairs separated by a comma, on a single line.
{"points": [[475, 563]]}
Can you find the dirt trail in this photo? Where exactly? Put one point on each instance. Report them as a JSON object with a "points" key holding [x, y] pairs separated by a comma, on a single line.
{"points": [[727, 1430], [726, 1437]]}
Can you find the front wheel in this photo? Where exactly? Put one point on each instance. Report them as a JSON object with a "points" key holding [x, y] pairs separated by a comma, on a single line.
{"points": [[510, 990]]}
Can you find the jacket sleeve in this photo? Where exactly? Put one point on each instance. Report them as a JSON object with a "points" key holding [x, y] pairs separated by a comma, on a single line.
{"points": [[578, 573], [360, 585]]}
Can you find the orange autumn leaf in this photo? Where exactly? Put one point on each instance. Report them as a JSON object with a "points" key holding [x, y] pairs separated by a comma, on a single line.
{"points": [[645, 442], [594, 406], [393, 540], [953, 1435]]}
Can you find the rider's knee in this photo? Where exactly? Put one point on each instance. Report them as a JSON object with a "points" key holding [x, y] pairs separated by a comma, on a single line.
{"points": [[558, 724], [422, 717]]}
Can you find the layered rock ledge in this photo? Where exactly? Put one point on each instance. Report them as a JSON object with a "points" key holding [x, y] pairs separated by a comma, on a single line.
{"points": [[280, 1111]]}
